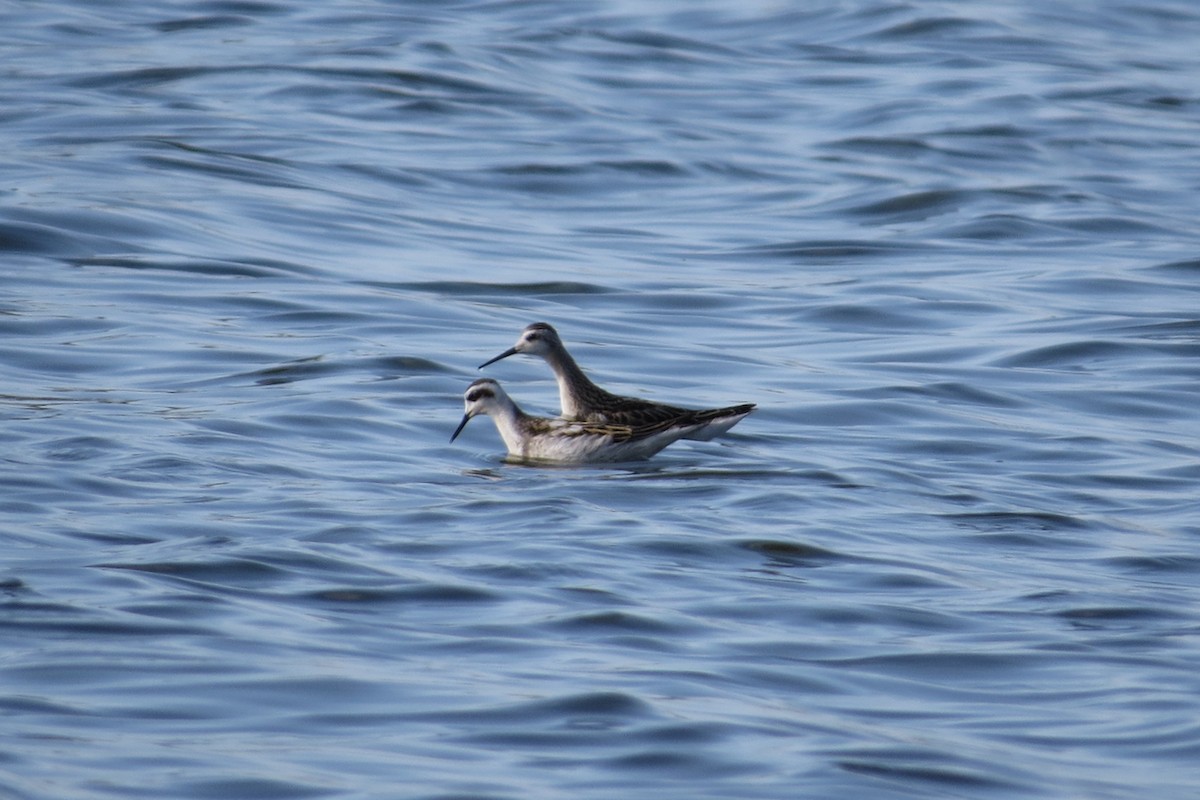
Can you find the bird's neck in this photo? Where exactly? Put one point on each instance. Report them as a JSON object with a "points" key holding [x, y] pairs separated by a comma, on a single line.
{"points": [[573, 384], [508, 418]]}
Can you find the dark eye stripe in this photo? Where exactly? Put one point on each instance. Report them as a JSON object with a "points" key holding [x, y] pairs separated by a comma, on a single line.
{"points": [[477, 394]]}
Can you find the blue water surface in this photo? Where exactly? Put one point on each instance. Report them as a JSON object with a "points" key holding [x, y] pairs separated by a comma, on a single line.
{"points": [[252, 252]]}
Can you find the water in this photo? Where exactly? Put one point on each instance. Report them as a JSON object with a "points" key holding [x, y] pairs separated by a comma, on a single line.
{"points": [[253, 251]]}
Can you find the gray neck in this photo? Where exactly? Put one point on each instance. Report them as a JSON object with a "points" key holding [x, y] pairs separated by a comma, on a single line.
{"points": [[510, 422], [573, 385]]}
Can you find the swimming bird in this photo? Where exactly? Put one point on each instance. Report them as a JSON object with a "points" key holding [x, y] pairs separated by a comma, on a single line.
{"points": [[584, 401], [560, 440]]}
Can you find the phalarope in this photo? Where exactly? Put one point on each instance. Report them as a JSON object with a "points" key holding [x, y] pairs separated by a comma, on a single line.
{"points": [[561, 440], [584, 401]]}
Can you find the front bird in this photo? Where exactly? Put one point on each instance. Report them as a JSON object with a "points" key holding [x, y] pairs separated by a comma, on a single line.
{"points": [[560, 440]]}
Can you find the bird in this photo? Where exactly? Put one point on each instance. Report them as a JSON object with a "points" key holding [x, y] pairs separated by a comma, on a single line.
{"points": [[584, 401], [563, 441]]}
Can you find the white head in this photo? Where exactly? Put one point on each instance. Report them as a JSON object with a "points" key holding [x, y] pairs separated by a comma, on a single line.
{"points": [[537, 339], [483, 396]]}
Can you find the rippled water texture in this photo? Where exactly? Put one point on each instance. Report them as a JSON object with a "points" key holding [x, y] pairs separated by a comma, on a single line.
{"points": [[252, 253]]}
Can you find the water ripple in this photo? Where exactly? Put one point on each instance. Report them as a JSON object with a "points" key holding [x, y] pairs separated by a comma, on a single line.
{"points": [[256, 250]]}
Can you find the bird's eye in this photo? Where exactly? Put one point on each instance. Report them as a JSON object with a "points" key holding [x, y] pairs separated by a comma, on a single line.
{"points": [[533, 337]]}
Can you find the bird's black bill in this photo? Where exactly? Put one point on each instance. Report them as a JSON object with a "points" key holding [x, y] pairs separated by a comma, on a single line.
{"points": [[466, 418], [512, 351]]}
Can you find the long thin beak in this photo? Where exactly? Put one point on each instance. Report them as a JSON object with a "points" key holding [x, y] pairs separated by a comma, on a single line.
{"points": [[512, 351], [466, 418]]}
